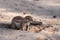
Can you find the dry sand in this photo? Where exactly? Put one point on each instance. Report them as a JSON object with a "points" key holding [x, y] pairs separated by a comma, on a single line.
{"points": [[40, 10]]}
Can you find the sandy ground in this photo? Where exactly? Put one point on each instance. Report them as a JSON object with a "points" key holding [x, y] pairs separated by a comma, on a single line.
{"points": [[40, 10]]}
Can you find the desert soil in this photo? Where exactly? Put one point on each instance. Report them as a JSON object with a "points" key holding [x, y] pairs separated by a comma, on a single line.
{"points": [[40, 10]]}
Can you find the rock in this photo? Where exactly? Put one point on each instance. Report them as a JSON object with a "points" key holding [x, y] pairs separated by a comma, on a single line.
{"points": [[48, 25], [54, 16], [34, 29]]}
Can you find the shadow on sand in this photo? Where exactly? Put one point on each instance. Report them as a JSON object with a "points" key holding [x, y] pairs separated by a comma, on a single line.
{"points": [[4, 25]]}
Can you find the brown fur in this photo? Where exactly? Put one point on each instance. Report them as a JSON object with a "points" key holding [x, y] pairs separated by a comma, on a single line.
{"points": [[29, 18], [21, 23], [26, 22], [17, 22]]}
